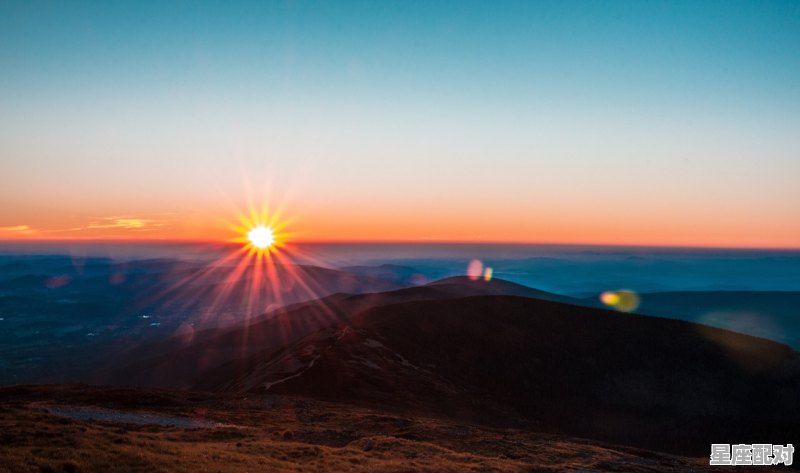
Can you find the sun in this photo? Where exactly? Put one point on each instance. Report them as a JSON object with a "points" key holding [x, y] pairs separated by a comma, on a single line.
{"points": [[261, 237], [261, 232]]}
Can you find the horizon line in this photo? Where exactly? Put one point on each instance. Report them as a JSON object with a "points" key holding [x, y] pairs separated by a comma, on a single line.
{"points": [[190, 241]]}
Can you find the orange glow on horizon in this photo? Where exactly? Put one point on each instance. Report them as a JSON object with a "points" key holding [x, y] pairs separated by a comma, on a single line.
{"points": [[258, 274], [331, 223]]}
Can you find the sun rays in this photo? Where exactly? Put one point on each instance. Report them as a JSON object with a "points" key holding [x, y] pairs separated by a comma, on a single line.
{"points": [[255, 271]]}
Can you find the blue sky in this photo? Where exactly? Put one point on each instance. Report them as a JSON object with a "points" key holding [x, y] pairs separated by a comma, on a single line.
{"points": [[688, 111]]}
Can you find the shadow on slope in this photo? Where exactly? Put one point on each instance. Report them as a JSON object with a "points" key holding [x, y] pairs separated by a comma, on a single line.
{"points": [[622, 378], [176, 361]]}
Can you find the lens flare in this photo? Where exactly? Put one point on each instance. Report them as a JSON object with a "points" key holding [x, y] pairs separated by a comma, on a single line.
{"points": [[623, 300], [474, 269], [610, 298]]}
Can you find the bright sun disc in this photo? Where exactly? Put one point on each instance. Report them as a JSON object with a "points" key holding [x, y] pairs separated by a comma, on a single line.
{"points": [[261, 237]]}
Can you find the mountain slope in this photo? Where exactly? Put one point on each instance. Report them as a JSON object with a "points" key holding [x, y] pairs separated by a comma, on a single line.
{"points": [[616, 377], [176, 361]]}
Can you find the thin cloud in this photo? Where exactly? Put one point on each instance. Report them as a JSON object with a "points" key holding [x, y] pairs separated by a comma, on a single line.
{"points": [[18, 229], [126, 223]]}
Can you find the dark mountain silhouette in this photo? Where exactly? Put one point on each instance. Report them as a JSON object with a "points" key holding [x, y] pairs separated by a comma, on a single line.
{"points": [[175, 362], [491, 355], [622, 378]]}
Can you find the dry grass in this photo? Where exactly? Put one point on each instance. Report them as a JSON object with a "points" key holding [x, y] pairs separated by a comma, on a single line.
{"points": [[280, 434]]}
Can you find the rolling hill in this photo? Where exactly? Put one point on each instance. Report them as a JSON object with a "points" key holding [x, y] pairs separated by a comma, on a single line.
{"points": [[176, 361], [621, 378]]}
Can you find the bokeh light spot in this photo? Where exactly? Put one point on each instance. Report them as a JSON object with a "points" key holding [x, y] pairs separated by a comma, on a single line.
{"points": [[474, 269], [623, 300]]}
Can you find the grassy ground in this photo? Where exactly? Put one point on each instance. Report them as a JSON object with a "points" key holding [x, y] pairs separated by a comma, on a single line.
{"points": [[273, 433]]}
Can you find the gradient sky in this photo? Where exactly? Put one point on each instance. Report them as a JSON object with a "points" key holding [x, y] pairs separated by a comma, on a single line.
{"points": [[642, 122]]}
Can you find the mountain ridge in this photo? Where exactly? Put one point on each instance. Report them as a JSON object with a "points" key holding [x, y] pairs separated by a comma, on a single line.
{"points": [[490, 357]]}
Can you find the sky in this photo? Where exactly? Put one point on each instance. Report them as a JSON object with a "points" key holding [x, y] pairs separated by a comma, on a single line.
{"points": [[631, 123]]}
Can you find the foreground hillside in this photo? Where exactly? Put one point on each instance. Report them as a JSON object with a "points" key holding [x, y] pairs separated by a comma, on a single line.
{"points": [[456, 375], [235, 434], [621, 378]]}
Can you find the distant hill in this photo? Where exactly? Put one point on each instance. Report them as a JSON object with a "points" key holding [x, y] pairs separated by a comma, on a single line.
{"points": [[176, 361], [61, 317], [769, 314], [399, 274], [623, 378]]}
